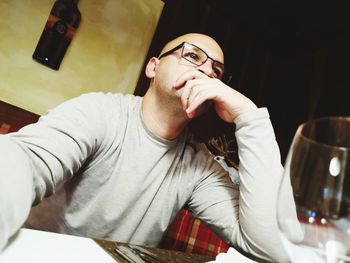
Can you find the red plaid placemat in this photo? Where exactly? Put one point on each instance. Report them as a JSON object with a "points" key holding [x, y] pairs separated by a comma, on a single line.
{"points": [[190, 234]]}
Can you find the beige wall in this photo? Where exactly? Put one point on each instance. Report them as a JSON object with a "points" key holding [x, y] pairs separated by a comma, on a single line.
{"points": [[106, 54]]}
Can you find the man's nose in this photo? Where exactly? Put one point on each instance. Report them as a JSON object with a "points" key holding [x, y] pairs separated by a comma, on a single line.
{"points": [[207, 68]]}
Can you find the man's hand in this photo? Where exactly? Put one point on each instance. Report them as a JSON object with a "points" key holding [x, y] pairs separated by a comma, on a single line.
{"points": [[199, 88]]}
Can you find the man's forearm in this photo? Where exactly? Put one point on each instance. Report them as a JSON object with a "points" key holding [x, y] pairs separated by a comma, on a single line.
{"points": [[16, 184], [260, 174]]}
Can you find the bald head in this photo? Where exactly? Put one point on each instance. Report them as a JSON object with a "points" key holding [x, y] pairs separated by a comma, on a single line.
{"points": [[208, 44]]}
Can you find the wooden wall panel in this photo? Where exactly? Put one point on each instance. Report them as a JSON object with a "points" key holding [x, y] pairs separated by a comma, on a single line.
{"points": [[13, 118]]}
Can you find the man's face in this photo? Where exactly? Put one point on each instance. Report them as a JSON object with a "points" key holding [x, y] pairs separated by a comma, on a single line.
{"points": [[173, 66]]}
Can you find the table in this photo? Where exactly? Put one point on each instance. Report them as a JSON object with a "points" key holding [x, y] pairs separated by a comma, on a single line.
{"points": [[163, 255], [35, 246]]}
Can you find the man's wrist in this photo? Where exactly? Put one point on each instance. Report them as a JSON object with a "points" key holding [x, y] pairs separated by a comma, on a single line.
{"points": [[251, 116]]}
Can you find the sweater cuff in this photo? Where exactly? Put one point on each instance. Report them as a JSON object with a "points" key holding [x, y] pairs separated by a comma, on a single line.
{"points": [[251, 116]]}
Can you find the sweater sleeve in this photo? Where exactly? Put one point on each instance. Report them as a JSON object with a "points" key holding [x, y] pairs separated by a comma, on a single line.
{"points": [[41, 156], [16, 186], [245, 215]]}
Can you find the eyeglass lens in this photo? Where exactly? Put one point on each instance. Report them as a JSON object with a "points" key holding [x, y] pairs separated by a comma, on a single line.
{"points": [[197, 56]]}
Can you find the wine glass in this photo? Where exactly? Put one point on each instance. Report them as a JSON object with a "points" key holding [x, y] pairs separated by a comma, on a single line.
{"points": [[318, 170]]}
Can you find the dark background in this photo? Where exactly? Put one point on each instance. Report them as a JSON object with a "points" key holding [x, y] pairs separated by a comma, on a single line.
{"points": [[290, 57]]}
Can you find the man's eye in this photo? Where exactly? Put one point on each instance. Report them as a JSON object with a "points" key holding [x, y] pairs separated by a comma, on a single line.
{"points": [[217, 73], [192, 56]]}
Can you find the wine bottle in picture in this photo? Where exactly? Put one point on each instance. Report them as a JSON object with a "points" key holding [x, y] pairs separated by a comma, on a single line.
{"points": [[60, 28]]}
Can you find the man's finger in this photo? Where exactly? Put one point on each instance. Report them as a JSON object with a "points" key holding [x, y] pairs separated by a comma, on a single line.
{"points": [[199, 99], [188, 75]]}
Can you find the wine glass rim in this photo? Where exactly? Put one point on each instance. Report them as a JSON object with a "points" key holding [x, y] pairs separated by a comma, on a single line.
{"points": [[318, 120]]}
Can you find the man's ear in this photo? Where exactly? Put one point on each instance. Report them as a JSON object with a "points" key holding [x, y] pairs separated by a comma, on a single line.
{"points": [[151, 67]]}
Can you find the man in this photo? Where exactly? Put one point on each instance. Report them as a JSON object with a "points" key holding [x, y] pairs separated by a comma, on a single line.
{"points": [[132, 166]]}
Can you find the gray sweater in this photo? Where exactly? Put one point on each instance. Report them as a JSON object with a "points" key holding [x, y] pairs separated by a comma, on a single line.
{"points": [[116, 180]]}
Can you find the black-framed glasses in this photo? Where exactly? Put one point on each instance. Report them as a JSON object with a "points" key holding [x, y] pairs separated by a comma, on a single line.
{"points": [[198, 57]]}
